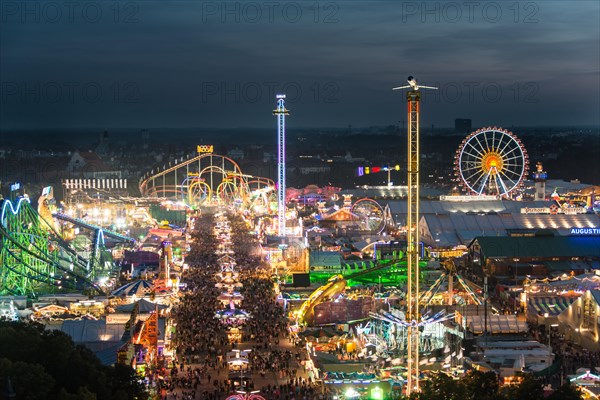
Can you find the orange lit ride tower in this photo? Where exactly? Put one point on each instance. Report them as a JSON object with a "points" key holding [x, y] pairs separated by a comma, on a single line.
{"points": [[281, 112], [412, 240], [413, 317]]}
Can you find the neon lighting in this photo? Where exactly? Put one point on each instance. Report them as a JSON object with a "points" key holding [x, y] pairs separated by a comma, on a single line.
{"points": [[585, 231], [14, 211], [281, 112]]}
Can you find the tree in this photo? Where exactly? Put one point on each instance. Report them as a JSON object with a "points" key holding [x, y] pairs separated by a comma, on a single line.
{"points": [[59, 369], [530, 388], [83, 393], [480, 385], [442, 387], [23, 376], [126, 381], [475, 385], [566, 392]]}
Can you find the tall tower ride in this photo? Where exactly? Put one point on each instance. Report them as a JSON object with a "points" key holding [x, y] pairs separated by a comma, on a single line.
{"points": [[280, 112], [413, 98]]}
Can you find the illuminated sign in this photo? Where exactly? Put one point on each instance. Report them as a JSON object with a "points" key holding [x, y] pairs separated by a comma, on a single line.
{"points": [[205, 148], [553, 209], [483, 197], [585, 231], [360, 171], [535, 210], [116, 318], [15, 186], [574, 210]]}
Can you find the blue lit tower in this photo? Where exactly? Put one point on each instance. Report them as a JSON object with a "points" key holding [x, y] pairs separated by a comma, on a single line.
{"points": [[539, 177], [280, 112]]}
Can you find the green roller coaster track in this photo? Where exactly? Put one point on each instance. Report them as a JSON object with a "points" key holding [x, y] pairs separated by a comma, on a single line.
{"points": [[34, 258]]}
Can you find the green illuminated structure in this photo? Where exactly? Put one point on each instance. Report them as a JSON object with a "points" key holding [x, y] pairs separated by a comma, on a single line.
{"points": [[34, 258]]}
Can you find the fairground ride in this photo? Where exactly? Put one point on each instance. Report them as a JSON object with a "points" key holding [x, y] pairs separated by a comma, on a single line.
{"points": [[390, 330], [372, 217], [491, 161], [466, 293], [359, 272], [34, 257], [209, 179], [280, 112], [413, 316]]}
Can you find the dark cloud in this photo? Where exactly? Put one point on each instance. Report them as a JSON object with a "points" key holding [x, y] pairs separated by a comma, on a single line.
{"points": [[186, 64]]}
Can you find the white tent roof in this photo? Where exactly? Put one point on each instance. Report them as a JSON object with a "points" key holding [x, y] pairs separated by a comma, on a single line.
{"points": [[495, 324]]}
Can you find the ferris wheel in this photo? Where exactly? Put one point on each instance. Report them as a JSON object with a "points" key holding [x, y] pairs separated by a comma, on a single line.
{"points": [[370, 215], [491, 161]]}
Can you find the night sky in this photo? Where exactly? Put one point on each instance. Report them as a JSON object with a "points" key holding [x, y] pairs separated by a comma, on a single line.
{"points": [[151, 64]]}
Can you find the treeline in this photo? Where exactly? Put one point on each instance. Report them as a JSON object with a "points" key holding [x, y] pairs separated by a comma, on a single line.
{"points": [[37, 364], [484, 386]]}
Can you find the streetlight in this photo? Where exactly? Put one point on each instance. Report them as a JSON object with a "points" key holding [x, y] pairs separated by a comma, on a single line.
{"points": [[377, 393], [550, 332]]}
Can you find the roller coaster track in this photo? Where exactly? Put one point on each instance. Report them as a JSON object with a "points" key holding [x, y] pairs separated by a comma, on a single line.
{"points": [[33, 256], [28, 258], [87, 225], [204, 179]]}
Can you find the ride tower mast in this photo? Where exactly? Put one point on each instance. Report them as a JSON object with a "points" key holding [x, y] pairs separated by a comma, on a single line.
{"points": [[280, 112], [413, 97]]}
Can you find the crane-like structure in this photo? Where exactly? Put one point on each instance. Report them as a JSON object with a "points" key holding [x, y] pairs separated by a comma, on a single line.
{"points": [[281, 112], [413, 316]]}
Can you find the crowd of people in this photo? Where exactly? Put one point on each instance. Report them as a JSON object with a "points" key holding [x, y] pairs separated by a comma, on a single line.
{"points": [[200, 340], [201, 370]]}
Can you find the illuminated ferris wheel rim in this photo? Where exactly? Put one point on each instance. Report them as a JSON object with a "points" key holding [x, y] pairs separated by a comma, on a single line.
{"points": [[505, 161]]}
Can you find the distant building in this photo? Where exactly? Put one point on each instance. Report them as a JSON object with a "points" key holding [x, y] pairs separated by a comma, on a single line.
{"points": [[445, 224], [541, 255], [579, 322], [81, 159], [88, 164], [462, 125]]}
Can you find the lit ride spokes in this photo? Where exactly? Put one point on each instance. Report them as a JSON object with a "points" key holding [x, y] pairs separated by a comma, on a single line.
{"points": [[491, 161]]}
